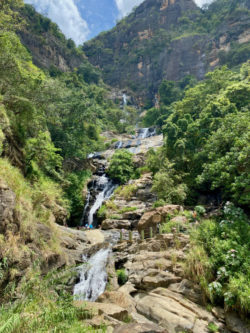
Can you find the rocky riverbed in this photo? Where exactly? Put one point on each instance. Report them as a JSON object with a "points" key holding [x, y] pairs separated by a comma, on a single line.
{"points": [[156, 295]]}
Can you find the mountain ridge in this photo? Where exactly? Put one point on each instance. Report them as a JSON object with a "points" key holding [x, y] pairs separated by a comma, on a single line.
{"points": [[167, 39]]}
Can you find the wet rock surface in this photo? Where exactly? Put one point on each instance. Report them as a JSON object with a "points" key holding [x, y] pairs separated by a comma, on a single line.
{"points": [[157, 297]]}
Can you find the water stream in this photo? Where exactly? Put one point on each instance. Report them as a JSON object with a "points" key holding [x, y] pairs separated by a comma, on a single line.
{"points": [[93, 277], [99, 190]]}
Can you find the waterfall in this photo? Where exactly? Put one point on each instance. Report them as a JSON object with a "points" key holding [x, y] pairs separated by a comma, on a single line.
{"points": [[108, 189], [93, 277], [144, 133], [118, 145], [100, 190], [124, 97], [85, 208]]}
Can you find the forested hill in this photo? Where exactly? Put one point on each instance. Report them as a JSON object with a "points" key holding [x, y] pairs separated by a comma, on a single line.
{"points": [[49, 117], [170, 39]]}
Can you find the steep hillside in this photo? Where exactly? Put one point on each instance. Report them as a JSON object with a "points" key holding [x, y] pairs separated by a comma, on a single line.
{"points": [[47, 44], [170, 39]]}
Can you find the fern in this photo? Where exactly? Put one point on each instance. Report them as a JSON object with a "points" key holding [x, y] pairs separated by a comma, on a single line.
{"points": [[11, 324]]}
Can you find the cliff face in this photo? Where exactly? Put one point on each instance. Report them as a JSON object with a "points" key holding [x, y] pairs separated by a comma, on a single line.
{"points": [[168, 39], [46, 43]]}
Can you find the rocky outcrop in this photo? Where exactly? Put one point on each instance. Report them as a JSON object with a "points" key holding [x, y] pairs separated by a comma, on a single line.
{"points": [[158, 287], [49, 47], [126, 210], [7, 209], [157, 216], [159, 41], [174, 312], [120, 298], [139, 328]]}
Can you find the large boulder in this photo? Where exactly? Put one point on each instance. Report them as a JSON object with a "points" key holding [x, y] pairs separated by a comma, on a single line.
{"points": [[115, 224], [154, 217], [173, 312], [124, 300], [108, 309], [7, 208], [235, 324]]}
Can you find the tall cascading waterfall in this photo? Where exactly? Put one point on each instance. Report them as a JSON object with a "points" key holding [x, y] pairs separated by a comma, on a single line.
{"points": [[124, 98], [100, 189], [93, 277], [108, 189]]}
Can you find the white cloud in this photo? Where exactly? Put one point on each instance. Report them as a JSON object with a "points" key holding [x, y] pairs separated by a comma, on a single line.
{"points": [[126, 6], [66, 14]]}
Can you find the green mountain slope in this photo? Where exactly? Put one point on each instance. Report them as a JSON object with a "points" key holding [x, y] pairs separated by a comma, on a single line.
{"points": [[170, 39]]}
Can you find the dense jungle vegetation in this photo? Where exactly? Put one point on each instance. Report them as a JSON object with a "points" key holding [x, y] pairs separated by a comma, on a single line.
{"points": [[206, 137], [51, 120]]}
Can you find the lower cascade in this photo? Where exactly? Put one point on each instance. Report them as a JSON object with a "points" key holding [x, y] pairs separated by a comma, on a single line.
{"points": [[99, 190], [93, 277]]}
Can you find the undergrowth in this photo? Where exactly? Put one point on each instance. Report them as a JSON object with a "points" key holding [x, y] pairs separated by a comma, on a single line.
{"points": [[44, 306], [219, 259]]}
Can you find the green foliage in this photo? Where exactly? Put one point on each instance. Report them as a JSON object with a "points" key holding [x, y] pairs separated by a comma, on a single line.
{"points": [[200, 210], [10, 18], [126, 191], [238, 54], [121, 166], [167, 183], [75, 183], [166, 186], [42, 155], [228, 153], [127, 209], [212, 328], [207, 135], [225, 260], [102, 212], [54, 311], [169, 92], [122, 276]]}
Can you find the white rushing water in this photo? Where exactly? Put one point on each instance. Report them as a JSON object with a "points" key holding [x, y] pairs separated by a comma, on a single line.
{"points": [[108, 189], [93, 277], [143, 133], [124, 97]]}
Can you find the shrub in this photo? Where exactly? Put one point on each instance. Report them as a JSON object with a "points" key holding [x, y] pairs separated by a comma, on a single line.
{"points": [[121, 166], [122, 276], [127, 209], [200, 210], [166, 188], [219, 259], [126, 191]]}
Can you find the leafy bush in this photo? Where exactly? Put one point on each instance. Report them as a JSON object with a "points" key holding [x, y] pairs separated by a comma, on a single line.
{"points": [[126, 191], [225, 259], [75, 183], [122, 276], [200, 210], [121, 166]]}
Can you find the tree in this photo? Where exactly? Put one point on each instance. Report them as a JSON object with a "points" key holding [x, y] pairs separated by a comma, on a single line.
{"points": [[121, 166], [169, 92]]}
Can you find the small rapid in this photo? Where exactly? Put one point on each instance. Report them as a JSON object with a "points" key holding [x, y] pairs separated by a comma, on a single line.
{"points": [[99, 190], [93, 277], [108, 189]]}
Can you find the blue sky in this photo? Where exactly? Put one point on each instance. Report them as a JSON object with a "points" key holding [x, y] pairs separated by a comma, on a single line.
{"points": [[83, 19]]}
